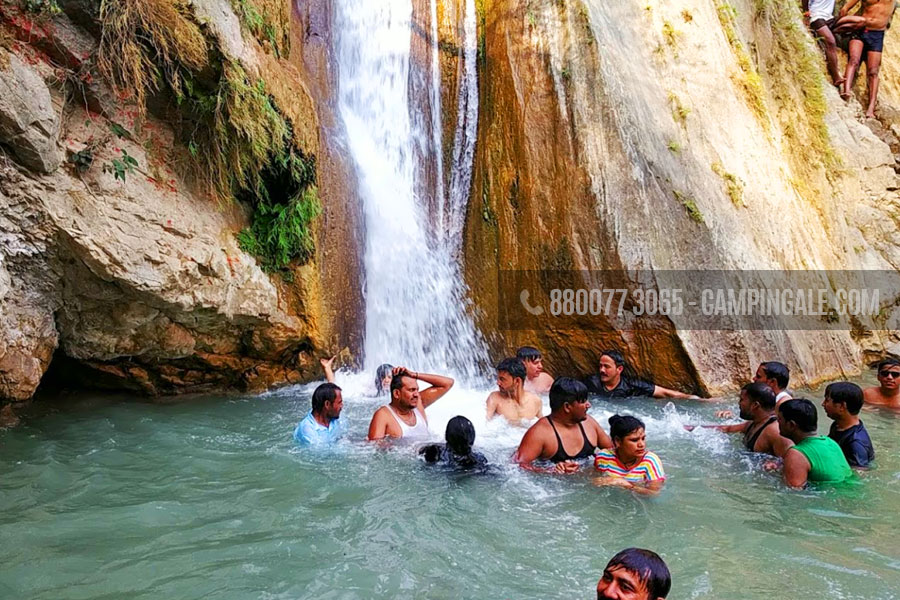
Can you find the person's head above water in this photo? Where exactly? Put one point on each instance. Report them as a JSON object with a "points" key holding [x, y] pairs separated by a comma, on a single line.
{"points": [[755, 398], [404, 391], [510, 375], [797, 419], [842, 397], [383, 376], [612, 365], [888, 372], [569, 398], [635, 574], [629, 437], [460, 435], [327, 401], [775, 374], [532, 359]]}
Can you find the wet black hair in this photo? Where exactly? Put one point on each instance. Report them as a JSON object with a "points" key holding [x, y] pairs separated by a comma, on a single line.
{"points": [[622, 425], [777, 371], [848, 394], [802, 412], [888, 362], [460, 435], [528, 353], [513, 366], [397, 381], [761, 393], [566, 389], [380, 373], [628, 371], [649, 567], [326, 392]]}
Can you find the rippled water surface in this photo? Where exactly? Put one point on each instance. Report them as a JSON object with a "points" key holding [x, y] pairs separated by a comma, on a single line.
{"points": [[211, 499]]}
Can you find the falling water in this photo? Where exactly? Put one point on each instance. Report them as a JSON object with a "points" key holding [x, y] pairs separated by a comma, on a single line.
{"points": [[466, 131], [416, 310]]}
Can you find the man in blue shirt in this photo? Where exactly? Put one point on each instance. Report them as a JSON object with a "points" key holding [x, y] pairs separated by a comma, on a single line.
{"points": [[843, 400], [323, 425]]}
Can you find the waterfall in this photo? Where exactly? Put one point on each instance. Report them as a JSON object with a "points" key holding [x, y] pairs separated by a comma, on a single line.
{"points": [[466, 131], [416, 305]]}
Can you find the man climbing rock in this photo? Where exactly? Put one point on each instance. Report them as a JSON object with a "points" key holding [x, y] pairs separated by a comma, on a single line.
{"points": [[867, 38]]}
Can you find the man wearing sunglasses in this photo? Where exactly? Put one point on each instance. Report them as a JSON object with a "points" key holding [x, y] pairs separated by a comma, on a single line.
{"points": [[887, 392]]}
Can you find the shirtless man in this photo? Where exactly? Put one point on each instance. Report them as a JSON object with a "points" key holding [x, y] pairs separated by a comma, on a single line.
{"points": [[760, 426], [405, 417], [887, 393], [867, 30], [536, 380], [512, 401], [567, 435]]}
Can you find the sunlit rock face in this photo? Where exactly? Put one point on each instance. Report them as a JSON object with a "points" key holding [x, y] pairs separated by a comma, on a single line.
{"points": [[138, 283], [609, 134]]}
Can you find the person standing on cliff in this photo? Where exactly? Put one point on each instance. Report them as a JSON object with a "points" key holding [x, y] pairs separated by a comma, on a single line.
{"points": [[537, 381], [867, 38], [820, 15], [323, 425], [405, 417], [610, 382], [511, 400], [887, 393]]}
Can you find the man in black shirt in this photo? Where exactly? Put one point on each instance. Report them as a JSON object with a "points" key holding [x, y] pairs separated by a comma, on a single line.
{"points": [[609, 382], [843, 400]]}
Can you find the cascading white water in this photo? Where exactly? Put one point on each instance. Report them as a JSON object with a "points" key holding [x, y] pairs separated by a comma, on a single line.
{"points": [[415, 299], [466, 131]]}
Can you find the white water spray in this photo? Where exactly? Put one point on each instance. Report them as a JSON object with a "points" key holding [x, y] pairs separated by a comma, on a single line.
{"points": [[415, 300]]}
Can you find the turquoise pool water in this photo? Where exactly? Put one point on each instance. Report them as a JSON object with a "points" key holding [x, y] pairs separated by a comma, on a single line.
{"points": [[211, 499]]}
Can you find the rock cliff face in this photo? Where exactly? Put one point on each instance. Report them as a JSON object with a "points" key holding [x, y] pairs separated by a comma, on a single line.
{"points": [[689, 134], [132, 278]]}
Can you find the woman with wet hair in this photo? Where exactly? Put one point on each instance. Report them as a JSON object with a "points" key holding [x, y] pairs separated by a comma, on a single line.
{"points": [[457, 452], [383, 375], [629, 464]]}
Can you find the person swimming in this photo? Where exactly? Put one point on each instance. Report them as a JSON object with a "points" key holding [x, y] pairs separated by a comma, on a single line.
{"points": [[383, 375], [629, 464], [457, 452]]}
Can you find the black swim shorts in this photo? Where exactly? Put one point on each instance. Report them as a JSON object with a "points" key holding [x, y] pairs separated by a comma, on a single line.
{"points": [[873, 41], [820, 23]]}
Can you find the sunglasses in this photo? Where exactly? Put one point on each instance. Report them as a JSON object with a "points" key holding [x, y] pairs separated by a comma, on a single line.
{"points": [[891, 374]]}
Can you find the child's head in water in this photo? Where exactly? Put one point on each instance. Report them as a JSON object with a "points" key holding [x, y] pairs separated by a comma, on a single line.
{"points": [[383, 379], [460, 435]]}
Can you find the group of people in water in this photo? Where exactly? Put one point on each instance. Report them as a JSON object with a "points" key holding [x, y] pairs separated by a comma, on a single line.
{"points": [[773, 423], [865, 32]]}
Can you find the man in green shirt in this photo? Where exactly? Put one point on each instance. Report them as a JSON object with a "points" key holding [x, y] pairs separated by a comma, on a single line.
{"points": [[813, 458]]}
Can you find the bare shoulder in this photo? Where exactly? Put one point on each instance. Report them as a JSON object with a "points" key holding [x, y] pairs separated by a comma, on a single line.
{"points": [[872, 395], [493, 398]]}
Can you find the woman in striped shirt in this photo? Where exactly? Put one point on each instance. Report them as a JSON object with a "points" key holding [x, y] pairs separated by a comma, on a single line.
{"points": [[629, 464]]}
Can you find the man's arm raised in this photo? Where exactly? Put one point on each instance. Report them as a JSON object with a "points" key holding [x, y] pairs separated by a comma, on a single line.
{"points": [[440, 385]]}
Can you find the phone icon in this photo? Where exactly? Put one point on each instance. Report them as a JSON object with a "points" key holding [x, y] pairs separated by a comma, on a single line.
{"points": [[535, 310]]}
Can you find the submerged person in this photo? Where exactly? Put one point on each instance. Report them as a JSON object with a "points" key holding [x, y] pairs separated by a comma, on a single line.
{"points": [[760, 426], [813, 458], [323, 425], [511, 400], [867, 30], [567, 435], [887, 392], [537, 381], [629, 464], [821, 19], [383, 375], [635, 574], [405, 416], [611, 381], [843, 401], [457, 452]]}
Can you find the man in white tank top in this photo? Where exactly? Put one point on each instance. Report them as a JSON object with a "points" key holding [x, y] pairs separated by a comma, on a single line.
{"points": [[405, 417]]}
